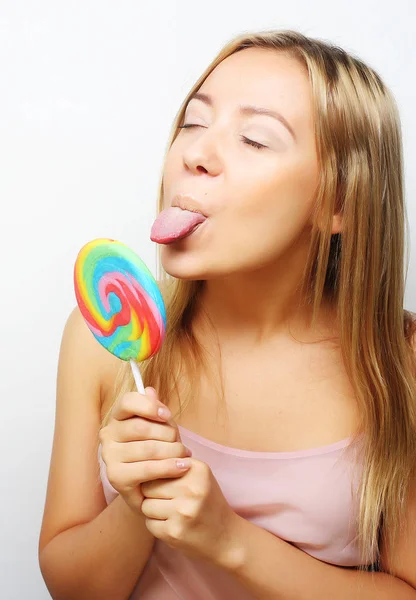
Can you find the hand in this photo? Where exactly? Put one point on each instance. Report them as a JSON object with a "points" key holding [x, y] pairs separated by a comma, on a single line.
{"points": [[191, 514], [138, 445]]}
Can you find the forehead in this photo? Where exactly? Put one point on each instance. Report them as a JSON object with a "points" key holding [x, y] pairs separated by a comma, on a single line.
{"points": [[262, 77]]}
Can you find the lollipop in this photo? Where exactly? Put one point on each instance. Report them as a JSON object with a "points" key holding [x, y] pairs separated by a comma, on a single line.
{"points": [[120, 301]]}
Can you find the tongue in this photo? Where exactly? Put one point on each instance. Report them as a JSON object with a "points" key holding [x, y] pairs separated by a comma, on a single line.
{"points": [[174, 224]]}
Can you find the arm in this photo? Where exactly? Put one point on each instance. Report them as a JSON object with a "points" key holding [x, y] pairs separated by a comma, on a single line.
{"points": [[273, 569], [87, 549], [101, 559]]}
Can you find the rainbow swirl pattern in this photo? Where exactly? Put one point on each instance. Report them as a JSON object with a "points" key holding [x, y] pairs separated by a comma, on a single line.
{"points": [[119, 299]]}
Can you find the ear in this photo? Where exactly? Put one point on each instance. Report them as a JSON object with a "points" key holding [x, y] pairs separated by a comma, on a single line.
{"points": [[337, 223]]}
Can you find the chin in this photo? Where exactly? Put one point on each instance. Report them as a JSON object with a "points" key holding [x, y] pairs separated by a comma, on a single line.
{"points": [[185, 266], [181, 267]]}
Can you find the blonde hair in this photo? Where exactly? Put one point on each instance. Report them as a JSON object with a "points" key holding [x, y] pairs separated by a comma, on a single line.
{"points": [[361, 270]]}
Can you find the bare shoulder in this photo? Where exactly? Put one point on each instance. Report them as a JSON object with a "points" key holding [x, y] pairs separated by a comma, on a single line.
{"points": [[74, 492], [102, 366]]}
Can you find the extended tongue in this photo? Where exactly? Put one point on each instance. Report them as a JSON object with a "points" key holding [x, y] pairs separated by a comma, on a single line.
{"points": [[174, 224]]}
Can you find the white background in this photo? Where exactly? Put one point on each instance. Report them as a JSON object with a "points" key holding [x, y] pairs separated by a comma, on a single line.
{"points": [[88, 92]]}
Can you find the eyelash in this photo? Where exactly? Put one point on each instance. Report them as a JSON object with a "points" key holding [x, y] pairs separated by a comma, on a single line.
{"points": [[245, 140]]}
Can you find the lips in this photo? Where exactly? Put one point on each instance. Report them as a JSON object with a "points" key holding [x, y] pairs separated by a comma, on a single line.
{"points": [[175, 223], [188, 202]]}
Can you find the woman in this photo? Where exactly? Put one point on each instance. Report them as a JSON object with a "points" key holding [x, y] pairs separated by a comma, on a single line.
{"points": [[288, 367]]}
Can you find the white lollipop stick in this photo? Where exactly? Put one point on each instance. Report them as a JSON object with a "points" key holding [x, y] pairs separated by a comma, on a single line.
{"points": [[137, 376]]}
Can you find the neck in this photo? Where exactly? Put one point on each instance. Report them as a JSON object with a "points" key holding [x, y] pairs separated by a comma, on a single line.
{"points": [[257, 308]]}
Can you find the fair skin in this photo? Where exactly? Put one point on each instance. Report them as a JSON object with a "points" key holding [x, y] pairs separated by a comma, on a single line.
{"points": [[280, 393], [293, 395], [251, 253]]}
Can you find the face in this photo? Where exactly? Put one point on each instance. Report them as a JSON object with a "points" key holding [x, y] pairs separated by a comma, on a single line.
{"points": [[253, 175]]}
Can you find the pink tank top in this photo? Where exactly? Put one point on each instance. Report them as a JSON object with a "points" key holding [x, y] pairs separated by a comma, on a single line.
{"points": [[304, 497]]}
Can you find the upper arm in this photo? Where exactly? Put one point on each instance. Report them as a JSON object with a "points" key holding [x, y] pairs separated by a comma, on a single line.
{"points": [[402, 562], [74, 492]]}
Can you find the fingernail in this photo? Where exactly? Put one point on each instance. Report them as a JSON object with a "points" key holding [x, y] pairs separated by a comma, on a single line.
{"points": [[188, 451], [163, 412], [184, 463]]}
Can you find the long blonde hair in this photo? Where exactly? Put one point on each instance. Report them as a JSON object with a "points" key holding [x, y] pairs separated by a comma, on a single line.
{"points": [[358, 137]]}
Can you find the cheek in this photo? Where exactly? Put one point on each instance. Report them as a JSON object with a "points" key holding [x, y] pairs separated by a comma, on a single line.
{"points": [[299, 187], [268, 215], [280, 195]]}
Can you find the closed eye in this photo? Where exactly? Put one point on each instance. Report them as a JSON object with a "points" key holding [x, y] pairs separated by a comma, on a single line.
{"points": [[245, 139]]}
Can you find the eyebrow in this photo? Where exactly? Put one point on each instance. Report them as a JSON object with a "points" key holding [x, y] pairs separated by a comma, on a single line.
{"points": [[248, 110]]}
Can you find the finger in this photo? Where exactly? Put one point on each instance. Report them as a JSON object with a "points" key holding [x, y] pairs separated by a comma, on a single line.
{"points": [[145, 450], [128, 475], [153, 394], [163, 488], [137, 428], [157, 509], [157, 528], [134, 404]]}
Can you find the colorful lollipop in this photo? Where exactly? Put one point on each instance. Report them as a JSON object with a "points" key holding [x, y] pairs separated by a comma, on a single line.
{"points": [[120, 301]]}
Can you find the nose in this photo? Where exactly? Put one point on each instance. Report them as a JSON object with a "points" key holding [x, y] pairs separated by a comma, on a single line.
{"points": [[201, 152]]}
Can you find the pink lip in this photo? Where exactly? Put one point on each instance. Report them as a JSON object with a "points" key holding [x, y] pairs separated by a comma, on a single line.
{"points": [[188, 202]]}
